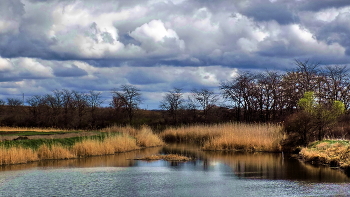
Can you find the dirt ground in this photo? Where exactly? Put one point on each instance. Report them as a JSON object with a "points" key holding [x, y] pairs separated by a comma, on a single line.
{"points": [[53, 136]]}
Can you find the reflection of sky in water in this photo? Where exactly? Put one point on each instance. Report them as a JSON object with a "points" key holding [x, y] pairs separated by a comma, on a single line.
{"points": [[212, 174], [155, 179]]}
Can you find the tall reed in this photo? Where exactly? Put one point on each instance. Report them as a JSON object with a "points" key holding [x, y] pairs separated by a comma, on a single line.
{"points": [[107, 143], [229, 136], [54, 152], [15, 155], [144, 136]]}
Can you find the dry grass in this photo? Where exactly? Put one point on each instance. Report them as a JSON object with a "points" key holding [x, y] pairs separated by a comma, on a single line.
{"points": [[110, 145], [17, 155], [144, 136], [129, 139], [54, 152], [230, 136], [331, 152], [169, 157], [195, 134]]}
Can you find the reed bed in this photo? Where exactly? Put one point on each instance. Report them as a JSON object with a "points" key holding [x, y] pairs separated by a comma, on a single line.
{"points": [[144, 136], [193, 134], [229, 136], [16, 155], [109, 145], [335, 153], [106, 143], [54, 152]]}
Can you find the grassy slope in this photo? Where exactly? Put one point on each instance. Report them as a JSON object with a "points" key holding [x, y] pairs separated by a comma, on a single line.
{"points": [[335, 153]]}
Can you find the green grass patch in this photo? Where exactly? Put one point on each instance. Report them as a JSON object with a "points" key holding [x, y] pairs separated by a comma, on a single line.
{"points": [[330, 142], [67, 142], [29, 133], [36, 143]]}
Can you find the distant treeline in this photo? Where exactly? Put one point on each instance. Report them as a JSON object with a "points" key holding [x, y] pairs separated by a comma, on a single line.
{"points": [[249, 97]]}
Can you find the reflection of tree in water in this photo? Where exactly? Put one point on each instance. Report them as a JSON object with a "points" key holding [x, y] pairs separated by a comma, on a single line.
{"points": [[256, 165], [244, 165]]}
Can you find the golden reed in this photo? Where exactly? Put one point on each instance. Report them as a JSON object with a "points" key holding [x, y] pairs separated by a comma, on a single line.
{"points": [[88, 147], [229, 136]]}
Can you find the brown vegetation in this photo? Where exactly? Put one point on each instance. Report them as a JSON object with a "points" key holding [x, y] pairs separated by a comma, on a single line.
{"points": [[144, 136], [335, 153], [112, 143], [229, 136]]}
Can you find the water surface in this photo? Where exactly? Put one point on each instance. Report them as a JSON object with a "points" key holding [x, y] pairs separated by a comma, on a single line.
{"points": [[210, 174]]}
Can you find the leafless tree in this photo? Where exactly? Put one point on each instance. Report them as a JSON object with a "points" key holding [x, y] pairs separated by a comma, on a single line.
{"points": [[337, 83], [172, 102], [35, 103], [205, 100], [81, 104], [128, 98], [94, 101], [14, 102], [239, 91]]}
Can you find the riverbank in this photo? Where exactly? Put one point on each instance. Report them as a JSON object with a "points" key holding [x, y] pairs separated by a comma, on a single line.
{"points": [[229, 136], [334, 153], [110, 140]]}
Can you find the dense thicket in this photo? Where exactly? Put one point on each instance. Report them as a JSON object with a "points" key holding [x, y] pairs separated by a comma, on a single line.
{"points": [[249, 97]]}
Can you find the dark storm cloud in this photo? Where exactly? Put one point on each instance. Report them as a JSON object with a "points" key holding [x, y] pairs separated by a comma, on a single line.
{"points": [[264, 10], [160, 44], [139, 77], [322, 4], [71, 71]]}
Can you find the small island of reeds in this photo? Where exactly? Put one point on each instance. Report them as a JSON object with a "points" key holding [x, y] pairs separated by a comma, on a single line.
{"points": [[168, 157]]}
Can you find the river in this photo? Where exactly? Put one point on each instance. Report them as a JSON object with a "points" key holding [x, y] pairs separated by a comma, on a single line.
{"points": [[210, 174]]}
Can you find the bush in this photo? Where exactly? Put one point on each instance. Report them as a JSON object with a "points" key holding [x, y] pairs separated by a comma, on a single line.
{"points": [[298, 131]]}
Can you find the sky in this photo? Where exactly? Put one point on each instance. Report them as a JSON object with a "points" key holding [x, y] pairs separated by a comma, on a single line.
{"points": [[157, 45]]}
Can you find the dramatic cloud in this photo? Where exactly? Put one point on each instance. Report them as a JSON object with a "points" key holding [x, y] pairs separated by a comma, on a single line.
{"points": [[160, 44]]}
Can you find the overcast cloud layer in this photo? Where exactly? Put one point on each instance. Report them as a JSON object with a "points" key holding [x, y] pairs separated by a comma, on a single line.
{"points": [[160, 44]]}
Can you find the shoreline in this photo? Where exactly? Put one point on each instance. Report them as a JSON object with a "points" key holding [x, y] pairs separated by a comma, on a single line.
{"points": [[332, 153]]}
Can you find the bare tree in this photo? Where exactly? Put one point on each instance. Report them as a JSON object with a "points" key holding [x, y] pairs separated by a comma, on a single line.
{"points": [[80, 102], [336, 85], [68, 105], [308, 74], [14, 102], [35, 103], [239, 91], [172, 102], [94, 101], [128, 98], [205, 100]]}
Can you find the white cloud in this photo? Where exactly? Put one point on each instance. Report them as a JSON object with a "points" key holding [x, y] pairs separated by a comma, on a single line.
{"points": [[161, 44], [156, 39], [5, 65]]}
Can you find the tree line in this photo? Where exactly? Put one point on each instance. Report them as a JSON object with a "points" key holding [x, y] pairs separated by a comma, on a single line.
{"points": [[250, 97]]}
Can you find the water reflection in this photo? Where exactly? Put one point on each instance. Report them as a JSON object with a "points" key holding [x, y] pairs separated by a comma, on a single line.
{"points": [[116, 160], [262, 165], [242, 165]]}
